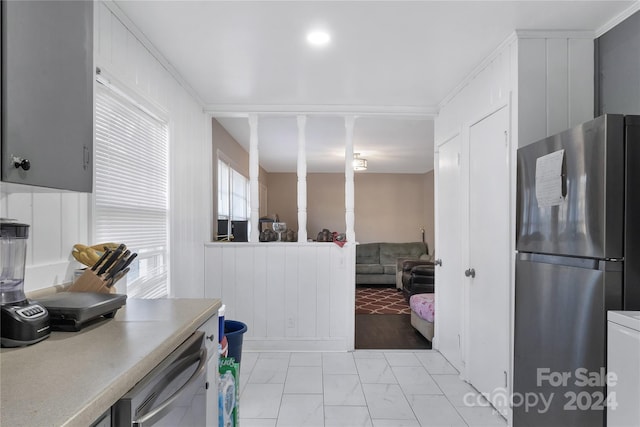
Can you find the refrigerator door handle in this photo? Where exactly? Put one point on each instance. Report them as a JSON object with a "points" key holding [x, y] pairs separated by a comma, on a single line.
{"points": [[588, 263]]}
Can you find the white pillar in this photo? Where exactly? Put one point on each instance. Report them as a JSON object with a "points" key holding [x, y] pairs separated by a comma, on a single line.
{"points": [[254, 171], [302, 180], [349, 191]]}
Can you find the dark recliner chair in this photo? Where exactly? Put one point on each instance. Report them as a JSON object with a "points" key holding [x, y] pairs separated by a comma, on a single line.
{"points": [[418, 277]]}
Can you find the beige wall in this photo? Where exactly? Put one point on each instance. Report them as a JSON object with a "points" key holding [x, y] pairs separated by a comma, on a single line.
{"points": [[394, 207], [388, 207], [224, 143], [282, 198], [325, 201]]}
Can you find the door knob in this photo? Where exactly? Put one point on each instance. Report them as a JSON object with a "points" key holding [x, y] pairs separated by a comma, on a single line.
{"points": [[19, 162], [470, 272], [438, 262]]}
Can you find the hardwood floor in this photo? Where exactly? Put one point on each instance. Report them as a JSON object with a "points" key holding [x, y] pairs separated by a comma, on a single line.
{"points": [[388, 332]]}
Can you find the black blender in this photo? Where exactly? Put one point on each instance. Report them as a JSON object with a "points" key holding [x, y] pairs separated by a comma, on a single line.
{"points": [[23, 322]]}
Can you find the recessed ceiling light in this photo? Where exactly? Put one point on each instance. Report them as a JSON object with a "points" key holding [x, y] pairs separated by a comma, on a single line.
{"points": [[318, 38]]}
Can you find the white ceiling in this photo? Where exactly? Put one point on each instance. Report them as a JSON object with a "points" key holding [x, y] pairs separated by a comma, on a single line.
{"points": [[389, 62]]}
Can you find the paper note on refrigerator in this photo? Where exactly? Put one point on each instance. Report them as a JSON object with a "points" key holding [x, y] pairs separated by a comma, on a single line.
{"points": [[549, 179]]}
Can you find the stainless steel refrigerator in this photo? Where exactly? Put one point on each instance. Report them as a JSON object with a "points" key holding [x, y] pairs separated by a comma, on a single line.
{"points": [[578, 255]]}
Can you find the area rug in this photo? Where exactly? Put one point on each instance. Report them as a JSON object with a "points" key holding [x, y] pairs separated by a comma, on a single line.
{"points": [[377, 300]]}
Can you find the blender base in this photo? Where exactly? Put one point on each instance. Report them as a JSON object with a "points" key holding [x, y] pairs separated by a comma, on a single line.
{"points": [[23, 323]]}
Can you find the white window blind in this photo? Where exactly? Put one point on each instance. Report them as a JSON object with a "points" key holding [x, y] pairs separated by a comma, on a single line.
{"points": [[131, 189], [240, 198], [233, 193], [223, 190], [233, 202]]}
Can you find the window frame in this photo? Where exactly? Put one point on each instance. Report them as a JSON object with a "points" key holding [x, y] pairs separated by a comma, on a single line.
{"points": [[132, 100]]}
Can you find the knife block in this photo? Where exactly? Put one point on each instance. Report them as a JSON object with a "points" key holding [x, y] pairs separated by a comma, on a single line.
{"points": [[90, 282]]}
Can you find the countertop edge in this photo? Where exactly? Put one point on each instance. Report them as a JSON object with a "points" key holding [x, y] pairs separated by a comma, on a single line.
{"points": [[627, 318], [179, 318], [121, 385]]}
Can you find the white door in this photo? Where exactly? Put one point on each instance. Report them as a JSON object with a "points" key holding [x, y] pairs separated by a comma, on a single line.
{"points": [[449, 278], [487, 329]]}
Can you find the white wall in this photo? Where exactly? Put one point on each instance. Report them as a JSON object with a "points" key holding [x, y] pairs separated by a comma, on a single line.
{"points": [[489, 86], [59, 219], [547, 80], [548, 74], [291, 296], [555, 86]]}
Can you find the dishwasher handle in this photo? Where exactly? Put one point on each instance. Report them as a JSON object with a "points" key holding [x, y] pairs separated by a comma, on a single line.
{"points": [[165, 406]]}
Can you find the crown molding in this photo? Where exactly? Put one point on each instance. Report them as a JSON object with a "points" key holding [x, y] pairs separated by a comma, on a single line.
{"points": [[618, 19], [555, 34], [133, 28], [241, 110], [477, 70]]}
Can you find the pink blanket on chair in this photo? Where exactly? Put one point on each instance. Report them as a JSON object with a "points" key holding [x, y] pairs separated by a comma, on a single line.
{"points": [[423, 306]]}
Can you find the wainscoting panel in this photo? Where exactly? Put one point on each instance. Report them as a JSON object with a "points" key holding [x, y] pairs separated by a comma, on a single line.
{"points": [[244, 266], [275, 301], [292, 288], [323, 292], [46, 228], [292, 296], [57, 221], [260, 311]]}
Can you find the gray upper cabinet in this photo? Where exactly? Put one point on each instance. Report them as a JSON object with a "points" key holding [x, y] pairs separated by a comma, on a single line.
{"points": [[47, 93], [618, 68]]}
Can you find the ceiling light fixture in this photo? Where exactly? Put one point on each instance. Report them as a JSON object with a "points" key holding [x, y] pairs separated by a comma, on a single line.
{"points": [[358, 163], [318, 38]]}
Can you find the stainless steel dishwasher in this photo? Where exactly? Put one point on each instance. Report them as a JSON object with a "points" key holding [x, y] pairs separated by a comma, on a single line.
{"points": [[173, 394]]}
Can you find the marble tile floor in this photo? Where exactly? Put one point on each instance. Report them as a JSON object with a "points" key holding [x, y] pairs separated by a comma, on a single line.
{"points": [[376, 388]]}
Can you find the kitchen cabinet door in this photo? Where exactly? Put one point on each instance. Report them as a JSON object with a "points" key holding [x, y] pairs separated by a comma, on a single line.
{"points": [[47, 93]]}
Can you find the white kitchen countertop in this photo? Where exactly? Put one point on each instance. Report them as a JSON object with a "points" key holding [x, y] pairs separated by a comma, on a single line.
{"points": [[71, 378], [630, 319]]}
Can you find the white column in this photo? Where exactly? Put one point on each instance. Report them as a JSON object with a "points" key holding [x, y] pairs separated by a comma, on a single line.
{"points": [[302, 180], [349, 191], [254, 171]]}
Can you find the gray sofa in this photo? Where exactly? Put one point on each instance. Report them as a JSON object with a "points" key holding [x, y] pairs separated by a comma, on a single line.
{"points": [[376, 262]]}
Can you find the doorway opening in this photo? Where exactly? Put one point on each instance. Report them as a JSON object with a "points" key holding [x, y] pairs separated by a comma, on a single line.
{"points": [[383, 321]]}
